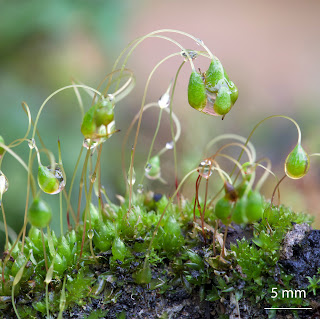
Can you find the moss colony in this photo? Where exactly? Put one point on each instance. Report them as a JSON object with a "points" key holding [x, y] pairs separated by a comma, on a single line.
{"points": [[232, 255]]}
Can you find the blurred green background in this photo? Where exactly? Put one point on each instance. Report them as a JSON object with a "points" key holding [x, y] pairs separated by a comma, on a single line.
{"points": [[269, 49]]}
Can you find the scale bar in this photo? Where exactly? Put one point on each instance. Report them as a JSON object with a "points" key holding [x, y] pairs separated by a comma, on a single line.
{"points": [[289, 308]]}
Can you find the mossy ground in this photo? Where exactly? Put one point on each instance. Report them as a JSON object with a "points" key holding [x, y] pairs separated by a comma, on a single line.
{"points": [[182, 277]]}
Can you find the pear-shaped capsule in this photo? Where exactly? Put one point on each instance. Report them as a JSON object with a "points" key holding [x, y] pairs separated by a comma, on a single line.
{"points": [[152, 170], [234, 92], [223, 208], [222, 104], [1, 148], [39, 214], [88, 125], [254, 210], [51, 181], [214, 75], [297, 163], [197, 96], [239, 215], [103, 114]]}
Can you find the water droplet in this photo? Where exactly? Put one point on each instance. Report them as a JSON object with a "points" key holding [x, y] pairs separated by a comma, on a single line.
{"points": [[199, 41], [32, 143], [110, 97], [205, 168], [50, 180], [4, 184], [89, 143], [164, 101], [148, 167], [133, 176], [90, 233], [140, 188], [193, 54], [169, 145]]}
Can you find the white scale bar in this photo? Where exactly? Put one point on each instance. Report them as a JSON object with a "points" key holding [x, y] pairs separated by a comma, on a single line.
{"points": [[289, 308]]}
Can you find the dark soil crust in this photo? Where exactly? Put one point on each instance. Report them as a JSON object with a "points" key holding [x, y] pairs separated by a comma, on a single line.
{"points": [[124, 299]]}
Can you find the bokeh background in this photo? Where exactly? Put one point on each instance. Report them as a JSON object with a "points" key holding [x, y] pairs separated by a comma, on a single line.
{"points": [[270, 49]]}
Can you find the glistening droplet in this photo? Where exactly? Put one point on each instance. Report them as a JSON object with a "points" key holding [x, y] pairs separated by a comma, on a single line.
{"points": [[140, 189], [169, 145], [205, 168], [31, 143], [164, 101], [133, 176], [148, 167], [90, 233], [199, 41], [4, 184], [51, 180], [193, 54], [89, 143]]}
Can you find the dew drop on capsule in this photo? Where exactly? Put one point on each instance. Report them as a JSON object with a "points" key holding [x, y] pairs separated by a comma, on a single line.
{"points": [[51, 181], [297, 163], [169, 145], [205, 168], [148, 168], [89, 144]]}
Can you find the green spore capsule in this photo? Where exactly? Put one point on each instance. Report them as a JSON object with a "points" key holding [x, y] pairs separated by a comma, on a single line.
{"points": [[104, 114], [234, 92], [222, 104], [223, 208], [51, 181], [1, 148], [239, 215], [214, 74], [254, 210], [152, 169], [119, 249], [39, 213], [297, 163], [197, 96], [88, 125]]}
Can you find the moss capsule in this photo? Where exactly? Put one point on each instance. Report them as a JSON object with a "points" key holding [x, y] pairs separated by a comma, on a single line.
{"points": [[254, 210], [214, 74], [234, 92], [39, 214], [119, 249], [239, 215], [222, 104], [51, 181], [88, 125], [223, 208], [197, 96], [297, 163], [1, 148], [104, 114]]}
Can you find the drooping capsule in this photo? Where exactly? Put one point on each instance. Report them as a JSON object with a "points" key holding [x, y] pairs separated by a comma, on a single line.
{"points": [[297, 163], [239, 215], [234, 92], [254, 209], [88, 125], [152, 170], [197, 96], [39, 213], [214, 74], [103, 114], [1, 148], [222, 104], [50, 180], [223, 208]]}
